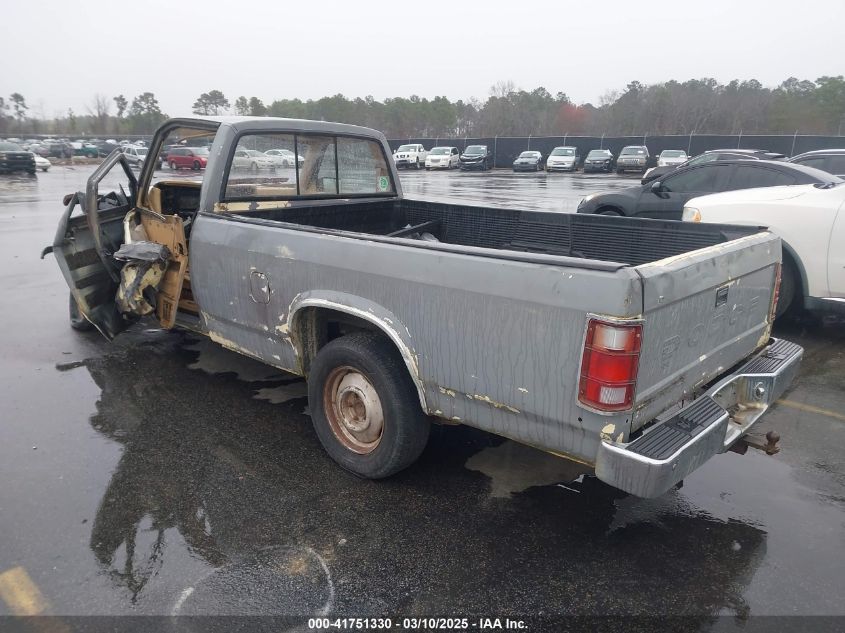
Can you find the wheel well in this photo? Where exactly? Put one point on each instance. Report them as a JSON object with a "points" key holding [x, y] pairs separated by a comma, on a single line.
{"points": [[790, 257], [314, 327], [609, 208]]}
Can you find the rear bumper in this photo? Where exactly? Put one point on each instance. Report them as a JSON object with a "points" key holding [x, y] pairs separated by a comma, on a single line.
{"points": [[669, 451]]}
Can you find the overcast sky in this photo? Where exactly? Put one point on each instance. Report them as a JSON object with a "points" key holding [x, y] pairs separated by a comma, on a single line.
{"points": [[66, 52]]}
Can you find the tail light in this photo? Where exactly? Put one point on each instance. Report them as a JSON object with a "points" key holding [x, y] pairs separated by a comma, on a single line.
{"points": [[776, 293], [609, 365]]}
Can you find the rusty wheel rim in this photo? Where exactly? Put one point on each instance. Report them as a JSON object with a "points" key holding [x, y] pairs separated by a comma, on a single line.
{"points": [[353, 409]]}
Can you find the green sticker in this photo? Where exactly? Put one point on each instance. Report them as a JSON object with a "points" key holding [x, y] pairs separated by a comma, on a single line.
{"points": [[383, 183]]}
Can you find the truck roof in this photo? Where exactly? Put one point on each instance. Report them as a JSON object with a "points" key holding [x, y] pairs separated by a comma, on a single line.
{"points": [[244, 123]]}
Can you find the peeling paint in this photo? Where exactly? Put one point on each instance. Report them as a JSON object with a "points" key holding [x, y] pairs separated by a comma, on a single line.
{"points": [[285, 252], [522, 389], [607, 432], [446, 392], [494, 404], [217, 338]]}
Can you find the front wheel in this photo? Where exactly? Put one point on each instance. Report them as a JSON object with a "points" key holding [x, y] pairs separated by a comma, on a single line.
{"points": [[196, 165], [77, 321], [364, 406]]}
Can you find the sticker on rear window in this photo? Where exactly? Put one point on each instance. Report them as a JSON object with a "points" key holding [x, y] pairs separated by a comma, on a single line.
{"points": [[383, 183]]}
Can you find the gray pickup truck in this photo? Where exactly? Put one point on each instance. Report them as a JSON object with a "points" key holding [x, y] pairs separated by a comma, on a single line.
{"points": [[638, 347]]}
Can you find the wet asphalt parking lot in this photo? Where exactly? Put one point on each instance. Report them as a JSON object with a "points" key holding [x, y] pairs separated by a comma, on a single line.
{"points": [[161, 474]]}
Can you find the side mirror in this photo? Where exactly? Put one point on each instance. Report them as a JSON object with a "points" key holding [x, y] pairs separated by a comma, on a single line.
{"points": [[657, 187]]}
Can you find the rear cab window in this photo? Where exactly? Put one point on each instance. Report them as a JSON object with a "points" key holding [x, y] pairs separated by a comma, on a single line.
{"points": [[326, 166]]}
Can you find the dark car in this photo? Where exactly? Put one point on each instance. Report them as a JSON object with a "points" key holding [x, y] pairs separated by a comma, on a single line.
{"points": [[830, 160], [40, 149], [633, 158], [60, 149], [105, 148], [14, 158], [599, 160], [709, 156], [664, 199], [476, 157], [529, 161]]}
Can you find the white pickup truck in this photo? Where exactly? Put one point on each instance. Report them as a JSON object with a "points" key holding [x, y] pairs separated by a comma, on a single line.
{"points": [[412, 155]]}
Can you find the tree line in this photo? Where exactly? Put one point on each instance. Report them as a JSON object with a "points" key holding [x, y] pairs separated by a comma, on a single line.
{"points": [[700, 106]]}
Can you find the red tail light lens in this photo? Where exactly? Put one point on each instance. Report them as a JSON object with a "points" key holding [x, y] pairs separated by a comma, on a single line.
{"points": [[609, 365], [775, 294]]}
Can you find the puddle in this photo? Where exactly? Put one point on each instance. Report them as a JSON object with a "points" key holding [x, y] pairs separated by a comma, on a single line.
{"points": [[515, 467]]}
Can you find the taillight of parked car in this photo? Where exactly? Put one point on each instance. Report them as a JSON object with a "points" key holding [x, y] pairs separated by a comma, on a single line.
{"points": [[609, 365], [776, 293]]}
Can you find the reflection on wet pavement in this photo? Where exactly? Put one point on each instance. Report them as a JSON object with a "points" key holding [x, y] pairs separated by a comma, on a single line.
{"points": [[163, 474]]}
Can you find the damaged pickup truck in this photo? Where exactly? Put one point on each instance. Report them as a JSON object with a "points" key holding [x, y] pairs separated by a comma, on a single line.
{"points": [[641, 348]]}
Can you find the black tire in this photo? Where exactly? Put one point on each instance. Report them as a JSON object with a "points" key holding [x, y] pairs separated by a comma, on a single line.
{"points": [[788, 288], [77, 321], [196, 165], [610, 212], [418, 164], [405, 429]]}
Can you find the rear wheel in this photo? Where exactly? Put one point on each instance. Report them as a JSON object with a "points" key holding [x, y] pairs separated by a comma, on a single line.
{"points": [[196, 165], [77, 321], [609, 211], [364, 406]]}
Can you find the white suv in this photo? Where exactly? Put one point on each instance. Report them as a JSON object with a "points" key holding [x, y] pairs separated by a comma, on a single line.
{"points": [[411, 155]]}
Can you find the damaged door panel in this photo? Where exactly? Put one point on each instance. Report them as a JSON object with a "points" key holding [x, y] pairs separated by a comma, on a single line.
{"points": [[84, 245], [168, 232]]}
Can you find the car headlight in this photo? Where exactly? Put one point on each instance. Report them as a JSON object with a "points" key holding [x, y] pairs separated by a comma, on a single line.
{"points": [[691, 214], [589, 197]]}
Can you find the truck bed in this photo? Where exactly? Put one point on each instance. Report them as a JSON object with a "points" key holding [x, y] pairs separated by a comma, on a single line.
{"points": [[629, 241]]}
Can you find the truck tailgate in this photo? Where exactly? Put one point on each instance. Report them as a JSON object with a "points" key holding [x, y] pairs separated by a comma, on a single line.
{"points": [[703, 312]]}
